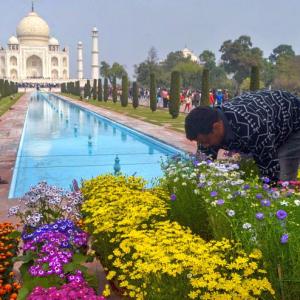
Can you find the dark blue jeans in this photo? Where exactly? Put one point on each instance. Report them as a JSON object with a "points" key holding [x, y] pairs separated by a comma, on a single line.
{"points": [[289, 157]]}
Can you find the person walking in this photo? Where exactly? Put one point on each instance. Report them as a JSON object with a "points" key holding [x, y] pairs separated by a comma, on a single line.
{"points": [[265, 124]]}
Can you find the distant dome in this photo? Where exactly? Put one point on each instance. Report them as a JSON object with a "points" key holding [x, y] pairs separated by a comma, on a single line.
{"points": [[13, 40], [80, 43], [95, 29], [53, 41], [33, 27]]}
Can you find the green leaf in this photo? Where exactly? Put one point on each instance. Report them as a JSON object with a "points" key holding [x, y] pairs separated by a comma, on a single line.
{"points": [[13, 235], [25, 258], [23, 292]]}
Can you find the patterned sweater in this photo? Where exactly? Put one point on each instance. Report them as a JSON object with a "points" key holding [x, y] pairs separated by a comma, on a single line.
{"points": [[259, 123]]}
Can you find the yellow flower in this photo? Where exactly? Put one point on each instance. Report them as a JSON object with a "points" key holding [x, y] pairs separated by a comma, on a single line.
{"points": [[106, 291]]}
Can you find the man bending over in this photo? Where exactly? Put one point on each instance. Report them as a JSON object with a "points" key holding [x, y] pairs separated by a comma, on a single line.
{"points": [[265, 124]]}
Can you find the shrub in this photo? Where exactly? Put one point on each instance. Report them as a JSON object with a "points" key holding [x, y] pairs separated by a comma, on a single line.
{"points": [[153, 100], [254, 78], [174, 103], [95, 89], [135, 95], [124, 97], [205, 88], [114, 90], [100, 92], [106, 91]]}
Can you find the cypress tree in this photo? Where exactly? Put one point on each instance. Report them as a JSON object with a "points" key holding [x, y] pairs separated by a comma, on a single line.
{"points": [[254, 78], [153, 101], [85, 91], [105, 92], [100, 92], [135, 95], [1, 88], [174, 103], [205, 88], [114, 90], [6, 88], [77, 88], [88, 88], [95, 89], [124, 98]]}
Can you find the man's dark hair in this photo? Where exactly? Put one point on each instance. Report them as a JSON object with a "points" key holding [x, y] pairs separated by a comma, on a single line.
{"points": [[200, 121]]}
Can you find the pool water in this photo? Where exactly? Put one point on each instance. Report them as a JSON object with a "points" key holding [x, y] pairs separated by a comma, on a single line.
{"points": [[62, 142]]}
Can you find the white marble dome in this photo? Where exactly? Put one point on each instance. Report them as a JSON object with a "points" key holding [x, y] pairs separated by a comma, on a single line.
{"points": [[33, 26], [13, 40], [53, 41]]}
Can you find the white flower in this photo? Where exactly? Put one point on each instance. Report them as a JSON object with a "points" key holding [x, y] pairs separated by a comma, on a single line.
{"points": [[196, 192], [193, 174], [184, 183], [297, 202], [247, 226], [275, 194], [175, 179], [209, 183], [284, 203], [242, 193], [189, 275], [229, 196], [13, 210], [230, 212]]}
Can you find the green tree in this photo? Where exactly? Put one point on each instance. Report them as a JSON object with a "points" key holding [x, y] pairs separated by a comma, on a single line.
{"points": [[147, 67], [124, 97], [254, 78], [87, 89], [1, 88], [100, 92], [287, 74], [153, 101], [190, 74], [95, 89], [209, 59], [174, 103], [205, 88], [135, 95], [63, 88], [77, 88], [106, 91], [238, 56], [104, 69], [114, 90], [282, 50], [116, 70]]}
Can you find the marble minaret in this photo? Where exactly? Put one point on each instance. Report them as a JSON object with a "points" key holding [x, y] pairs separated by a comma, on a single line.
{"points": [[95, 54], [79, 61]]}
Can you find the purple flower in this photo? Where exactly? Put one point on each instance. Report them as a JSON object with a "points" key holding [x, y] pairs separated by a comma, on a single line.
{"points": [[260, 216], [281, 214], [265, 186], [173, 197], [266, 180], [284, 238], [195, 163], [246, 187], [220, 202], [265, 202], [213, 194], [259, 196]]}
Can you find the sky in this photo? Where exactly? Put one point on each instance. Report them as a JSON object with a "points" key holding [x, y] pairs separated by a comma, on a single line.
{"points": [[129, 28]]}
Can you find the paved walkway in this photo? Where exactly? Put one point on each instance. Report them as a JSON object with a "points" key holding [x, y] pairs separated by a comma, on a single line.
{"points": [[11, 127]]}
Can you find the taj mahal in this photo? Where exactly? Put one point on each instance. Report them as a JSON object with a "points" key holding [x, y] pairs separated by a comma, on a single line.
{"points": [[34, 55]]}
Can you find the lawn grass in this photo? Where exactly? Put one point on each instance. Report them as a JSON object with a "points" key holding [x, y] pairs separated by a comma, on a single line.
{"points": [[7, 102], [160, 117]]}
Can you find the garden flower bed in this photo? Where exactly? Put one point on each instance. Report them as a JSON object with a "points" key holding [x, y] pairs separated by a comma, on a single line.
{"points": [[151, 257], [208, 230]]}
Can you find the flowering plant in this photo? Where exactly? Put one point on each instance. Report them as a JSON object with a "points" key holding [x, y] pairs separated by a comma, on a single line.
{"points": [[9, 239], [153, 258], [44, 204], [246, 209]]}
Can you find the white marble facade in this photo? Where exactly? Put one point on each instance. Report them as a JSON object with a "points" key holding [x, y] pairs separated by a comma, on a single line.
{"points": [[33, 54]]}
